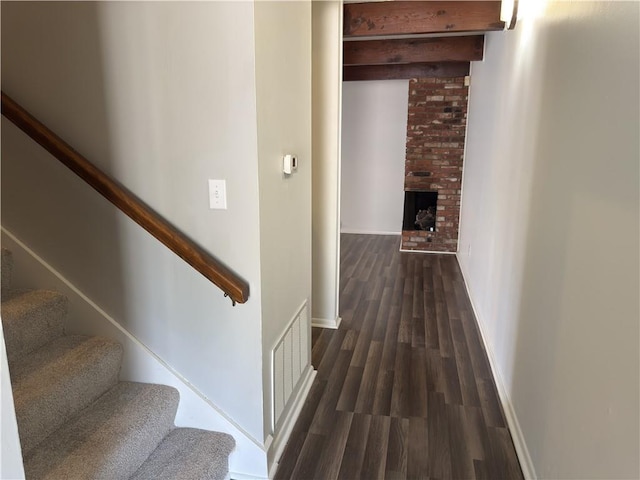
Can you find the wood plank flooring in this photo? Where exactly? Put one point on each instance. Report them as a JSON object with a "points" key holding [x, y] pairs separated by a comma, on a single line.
{"points": [[404, 389]]}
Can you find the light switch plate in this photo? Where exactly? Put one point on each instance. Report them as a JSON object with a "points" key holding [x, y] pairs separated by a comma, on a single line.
{"points": [[218, 194]]}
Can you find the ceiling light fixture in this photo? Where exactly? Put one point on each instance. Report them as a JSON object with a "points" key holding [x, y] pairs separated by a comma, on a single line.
{"points": [[509, 13]]}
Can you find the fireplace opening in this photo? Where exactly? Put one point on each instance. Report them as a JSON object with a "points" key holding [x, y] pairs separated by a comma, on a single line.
{"points": [[420, 211]]}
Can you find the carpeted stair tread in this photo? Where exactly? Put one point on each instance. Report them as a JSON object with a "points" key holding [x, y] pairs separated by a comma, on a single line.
{"points": [[6, 269], [75, 420], [30, 319], [110, 439], [56, 381], [189, 453]]}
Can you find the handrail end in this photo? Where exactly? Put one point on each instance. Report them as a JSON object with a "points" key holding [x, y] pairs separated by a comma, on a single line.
{"points": [[240, 294]]}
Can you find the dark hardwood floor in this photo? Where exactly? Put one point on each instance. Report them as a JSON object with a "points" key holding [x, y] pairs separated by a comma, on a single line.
{"points": [[404, 389]]}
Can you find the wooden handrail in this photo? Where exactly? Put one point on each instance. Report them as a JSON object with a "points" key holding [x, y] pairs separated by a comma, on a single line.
{"points": [[230, 283]]}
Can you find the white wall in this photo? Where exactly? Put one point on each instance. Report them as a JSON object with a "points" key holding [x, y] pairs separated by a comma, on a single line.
{"points": [[10, 449], [283, 78], [549, 241], [374, 136], [327, 82], [162, 96]]}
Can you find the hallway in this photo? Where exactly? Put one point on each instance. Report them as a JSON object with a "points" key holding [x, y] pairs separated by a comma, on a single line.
{"points": [[404, 389]]}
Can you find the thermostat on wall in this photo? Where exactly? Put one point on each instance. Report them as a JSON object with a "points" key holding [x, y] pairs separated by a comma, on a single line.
{"points": [[289, 164]]}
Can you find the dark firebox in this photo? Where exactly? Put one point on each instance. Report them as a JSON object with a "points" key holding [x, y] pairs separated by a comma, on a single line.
{"points": [[420, 211]]}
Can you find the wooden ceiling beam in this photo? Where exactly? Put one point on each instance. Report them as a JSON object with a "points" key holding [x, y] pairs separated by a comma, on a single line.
{"points": [[404, 71], [418, 50], [420, 17]]}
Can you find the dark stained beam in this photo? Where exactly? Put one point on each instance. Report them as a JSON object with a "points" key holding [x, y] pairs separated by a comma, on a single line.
{"points": [[418, 17], [417, 50], [404, 71]]}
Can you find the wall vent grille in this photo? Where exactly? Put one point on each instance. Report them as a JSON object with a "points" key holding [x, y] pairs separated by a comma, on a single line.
{"points": [[290, 358]]}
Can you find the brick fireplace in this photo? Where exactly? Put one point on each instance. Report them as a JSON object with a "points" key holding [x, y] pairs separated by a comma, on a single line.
{"points": [[436, 128]]}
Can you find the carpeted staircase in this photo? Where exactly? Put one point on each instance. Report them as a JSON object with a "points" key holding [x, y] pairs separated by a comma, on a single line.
{"points": [[76, 420]]}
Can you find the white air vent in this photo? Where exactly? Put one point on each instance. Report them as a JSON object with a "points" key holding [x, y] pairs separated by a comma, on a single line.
{"points": [[290, 359]]}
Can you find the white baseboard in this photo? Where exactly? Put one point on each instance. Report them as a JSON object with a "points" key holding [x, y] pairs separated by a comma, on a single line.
{"points": [[519, 442], [243, 476], [403, 250], [139, 363], [367, 232], [326, 323], [283, 433]]}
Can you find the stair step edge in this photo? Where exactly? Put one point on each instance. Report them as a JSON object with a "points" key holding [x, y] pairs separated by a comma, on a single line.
{"points": [[54, 383], [189, 453], [32, 318], [111, 438]]}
